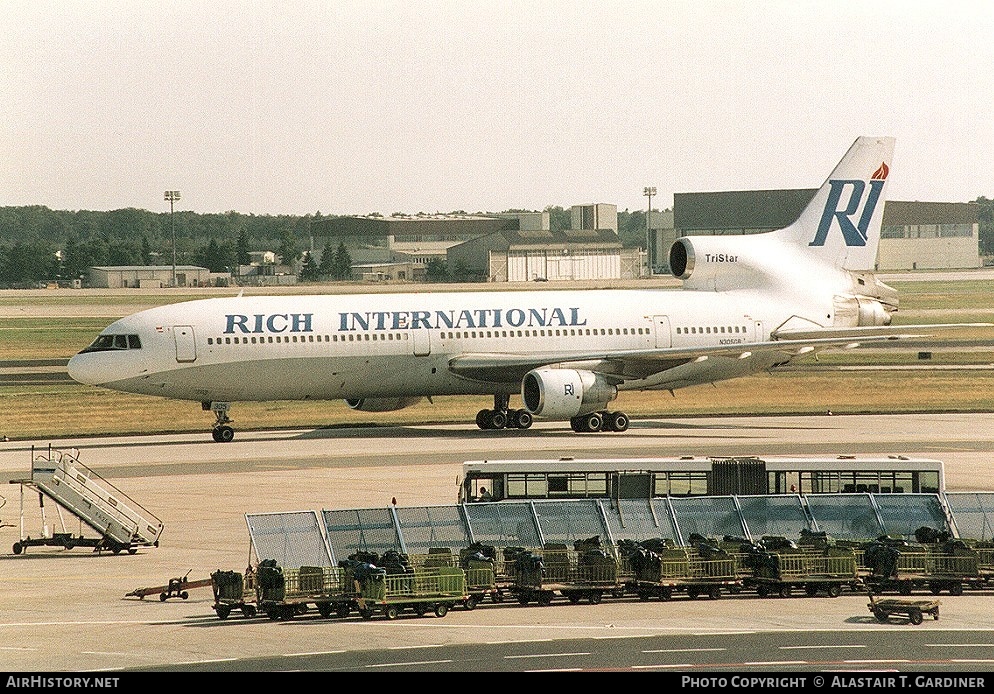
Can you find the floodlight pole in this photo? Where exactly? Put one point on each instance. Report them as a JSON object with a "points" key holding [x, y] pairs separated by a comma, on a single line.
{"points": [[648, 191], [172, 196]]}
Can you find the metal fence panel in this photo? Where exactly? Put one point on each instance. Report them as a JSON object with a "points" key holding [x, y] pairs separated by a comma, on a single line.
{"points": [[425, 527], [504, 524], [709, 516], [903, 514], [638, 520], [568, 521], [293, 538], [778, 516], [973, 513], [845, 516], [361, 530]]}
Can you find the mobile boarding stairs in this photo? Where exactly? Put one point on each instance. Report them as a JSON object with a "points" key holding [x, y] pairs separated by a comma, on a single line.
{"points": [[120, 522]]}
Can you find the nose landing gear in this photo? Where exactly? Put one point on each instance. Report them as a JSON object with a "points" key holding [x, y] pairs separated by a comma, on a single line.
{"points": [[221, 432]]}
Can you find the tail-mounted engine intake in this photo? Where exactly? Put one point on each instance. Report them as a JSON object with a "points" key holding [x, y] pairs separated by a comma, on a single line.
{"points": [[381, 404], [565, 393], [721, 262]]}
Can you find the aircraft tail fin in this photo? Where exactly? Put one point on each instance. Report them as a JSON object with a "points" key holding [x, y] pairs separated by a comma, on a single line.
{"points": [[842, 222]]}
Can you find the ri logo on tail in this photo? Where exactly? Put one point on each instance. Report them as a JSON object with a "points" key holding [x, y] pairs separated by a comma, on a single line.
{"points": [[854, 234]]}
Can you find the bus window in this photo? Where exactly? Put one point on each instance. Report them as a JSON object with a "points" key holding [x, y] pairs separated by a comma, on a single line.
{"points": [[867, 481], [526, 486], [633, 485], [471, 489], [928, 482], [558, 485], [688, 483], [821, 482], [596, 484], [661, 487]]}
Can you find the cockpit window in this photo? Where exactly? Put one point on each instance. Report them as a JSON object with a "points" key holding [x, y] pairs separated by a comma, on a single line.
{"points": [[105, 343]]}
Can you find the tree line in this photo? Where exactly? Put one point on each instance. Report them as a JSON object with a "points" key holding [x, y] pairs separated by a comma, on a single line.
{"points": [[39, 244]]}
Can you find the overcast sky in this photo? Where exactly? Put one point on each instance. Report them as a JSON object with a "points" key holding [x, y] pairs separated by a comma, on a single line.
{"points": [[339, 107]]}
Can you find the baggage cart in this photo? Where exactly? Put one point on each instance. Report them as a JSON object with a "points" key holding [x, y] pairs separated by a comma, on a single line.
{"points": [[811, 571], [906, 568], [912, 610], [232, 592], [429, 590], [669, 571], [574, 575], [479, 566], [329, 589]]}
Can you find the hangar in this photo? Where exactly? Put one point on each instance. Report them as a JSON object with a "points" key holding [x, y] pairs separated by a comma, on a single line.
{"points": [[376, 240], [520, 255], [506, 247]]}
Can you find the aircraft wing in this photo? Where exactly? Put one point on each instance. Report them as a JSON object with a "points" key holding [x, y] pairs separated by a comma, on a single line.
{"points": [[620, 366], [898, 331]]}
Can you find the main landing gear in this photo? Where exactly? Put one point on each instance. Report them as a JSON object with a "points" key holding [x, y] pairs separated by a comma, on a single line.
{"points": [[502, 418], [222, 433], [600, 421]]}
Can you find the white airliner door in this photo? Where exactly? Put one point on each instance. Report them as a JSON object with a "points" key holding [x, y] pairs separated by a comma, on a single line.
{"points": [[422, 342], [186, 345], [661, 324]]}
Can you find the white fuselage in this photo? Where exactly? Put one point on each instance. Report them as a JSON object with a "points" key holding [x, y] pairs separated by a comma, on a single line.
{"points": [[327, 347]]}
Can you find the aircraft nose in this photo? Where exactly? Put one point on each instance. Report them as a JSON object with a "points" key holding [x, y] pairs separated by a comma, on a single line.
{"points": [[82, 370]]}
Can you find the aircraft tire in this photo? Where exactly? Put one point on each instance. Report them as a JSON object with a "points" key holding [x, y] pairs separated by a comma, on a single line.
{"points": [[616, 421], [593, 422], [483, 419], [498, 420], [223, 434], [523, 419]]}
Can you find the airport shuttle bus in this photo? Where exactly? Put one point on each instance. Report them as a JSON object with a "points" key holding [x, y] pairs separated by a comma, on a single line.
{"points": [[640, 478]]}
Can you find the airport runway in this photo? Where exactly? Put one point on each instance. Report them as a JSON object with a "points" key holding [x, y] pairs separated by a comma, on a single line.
{"points": [[66, 610]]}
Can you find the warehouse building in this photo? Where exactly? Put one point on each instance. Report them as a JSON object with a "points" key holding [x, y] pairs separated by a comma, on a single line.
{"points": [[154, 276]]}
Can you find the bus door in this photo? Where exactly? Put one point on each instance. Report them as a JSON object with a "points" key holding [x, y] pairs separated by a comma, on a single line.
{"points": [[631, 485], [186, 345], [738, 476]]}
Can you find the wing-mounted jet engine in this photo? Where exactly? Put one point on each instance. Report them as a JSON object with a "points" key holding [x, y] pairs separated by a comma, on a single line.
{"points": [[576, 395]]}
